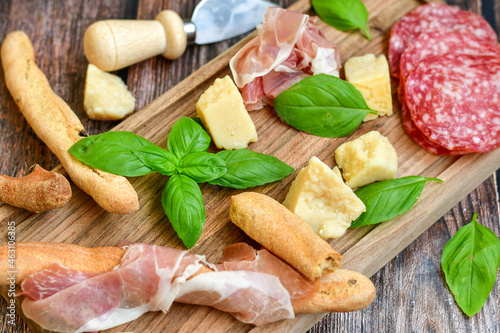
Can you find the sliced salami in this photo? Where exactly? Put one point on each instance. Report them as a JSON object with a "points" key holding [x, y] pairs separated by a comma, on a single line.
{"points": [[454, 100], [434, 17], [416, 134], [431, 44]]}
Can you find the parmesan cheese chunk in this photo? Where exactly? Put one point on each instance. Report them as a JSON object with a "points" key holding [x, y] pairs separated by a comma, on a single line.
{"points": [[370, 76], [337, 171], [223, 114], [106, 96], [319, 196], [368, 159]]}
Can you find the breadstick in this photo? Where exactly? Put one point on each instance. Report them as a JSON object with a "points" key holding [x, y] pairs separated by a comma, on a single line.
{"points": [[39, 191], [340, 291], [33, 257], [286, 235], [58, 126]]}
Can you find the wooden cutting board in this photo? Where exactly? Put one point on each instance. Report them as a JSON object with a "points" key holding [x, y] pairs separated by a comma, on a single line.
{"points": [[365, 249]]}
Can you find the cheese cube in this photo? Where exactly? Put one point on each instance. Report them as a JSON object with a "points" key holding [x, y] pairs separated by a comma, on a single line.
{"points": [[106, 96], [320, 197], [223, 114], [370, 76], [368, 159]]}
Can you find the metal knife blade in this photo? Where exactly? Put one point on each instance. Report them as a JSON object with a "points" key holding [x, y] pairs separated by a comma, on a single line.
{"points": [[217, 20]]}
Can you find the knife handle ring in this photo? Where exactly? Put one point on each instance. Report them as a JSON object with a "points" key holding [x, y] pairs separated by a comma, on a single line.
{"points": [[174, 33]]}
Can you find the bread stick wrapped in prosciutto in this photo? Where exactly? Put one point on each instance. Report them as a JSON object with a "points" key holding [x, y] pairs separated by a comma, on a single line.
{"points": [[148, 278], [255, 287]]}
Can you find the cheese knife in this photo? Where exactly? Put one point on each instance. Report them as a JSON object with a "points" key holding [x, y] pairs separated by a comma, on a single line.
{"points": [[115, 44]]}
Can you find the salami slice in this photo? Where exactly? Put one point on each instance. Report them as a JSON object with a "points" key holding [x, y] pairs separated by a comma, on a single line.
{"points": [[434, 17], [454, 100], [431, 44], [416, 134]]}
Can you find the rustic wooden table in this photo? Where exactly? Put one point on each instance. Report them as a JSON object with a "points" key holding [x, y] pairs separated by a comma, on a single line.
{"points": [[411, 293]]}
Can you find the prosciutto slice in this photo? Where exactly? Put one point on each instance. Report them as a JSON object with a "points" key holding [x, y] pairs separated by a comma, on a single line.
{"points": [[253, 298], [150, 278], [242, 256], [50, 281], [289, 48]]}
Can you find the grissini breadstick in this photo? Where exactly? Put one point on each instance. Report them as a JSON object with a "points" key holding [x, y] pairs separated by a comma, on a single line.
{"points": [[341, 291], [33, 257], [38, 191], [58, 126], [286, 235]]}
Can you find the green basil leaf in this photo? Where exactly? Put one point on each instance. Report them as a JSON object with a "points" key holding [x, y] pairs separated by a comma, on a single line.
{"points": [[199, 122], [322, 105], [470, 262], [182, 201], [121, 153], [343, 14], [203, 167], [246, 168], [389, 198], [187, 137], [158, 159]]}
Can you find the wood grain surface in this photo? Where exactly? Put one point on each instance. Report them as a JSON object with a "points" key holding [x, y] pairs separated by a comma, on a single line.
{"points": [[412, 295]]}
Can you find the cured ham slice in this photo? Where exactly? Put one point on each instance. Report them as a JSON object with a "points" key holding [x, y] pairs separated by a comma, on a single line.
{"points": [[242, 256], [275, 82], [290, 47], [252, 297], [50, 281], [150, 278], [280, 32], [146, 280], [253, 94]]}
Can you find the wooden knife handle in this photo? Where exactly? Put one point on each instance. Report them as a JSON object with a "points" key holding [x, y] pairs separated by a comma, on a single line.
{"points": [[115, 44]]}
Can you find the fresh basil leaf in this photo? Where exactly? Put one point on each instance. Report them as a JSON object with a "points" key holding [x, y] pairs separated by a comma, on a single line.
{"points": [[199, 122], [470, 262], [203, 167], [187, 137], [322, 105], [246, 168], [121, 153], [389, 198], [158, 159], [343, 14], [182, 201]]}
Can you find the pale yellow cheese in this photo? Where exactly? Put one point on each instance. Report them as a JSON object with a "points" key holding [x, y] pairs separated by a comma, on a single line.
{"points": [[337, 171], [319, 196], [370, 75], [223, 114], [106, 96], [368, 159]]}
